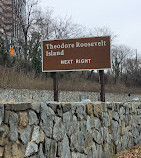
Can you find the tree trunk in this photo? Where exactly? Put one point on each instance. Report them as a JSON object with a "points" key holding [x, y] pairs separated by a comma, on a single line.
{"points": [[25, 50]]}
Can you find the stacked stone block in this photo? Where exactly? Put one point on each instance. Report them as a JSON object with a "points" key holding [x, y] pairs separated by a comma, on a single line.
{"points": [[68, 130]]}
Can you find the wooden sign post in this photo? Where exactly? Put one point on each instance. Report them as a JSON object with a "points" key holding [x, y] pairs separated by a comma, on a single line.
{"points": [[102, 88], [55, 86]]}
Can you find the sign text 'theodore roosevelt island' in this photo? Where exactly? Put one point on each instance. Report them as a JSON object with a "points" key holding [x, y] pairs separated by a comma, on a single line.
{"points": [[76, 54]]}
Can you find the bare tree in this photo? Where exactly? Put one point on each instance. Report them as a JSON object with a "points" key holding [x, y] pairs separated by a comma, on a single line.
{"points": [[44, 24], [102, 31], [133, 72], [64, 28], [120, 53], [25, 17]]}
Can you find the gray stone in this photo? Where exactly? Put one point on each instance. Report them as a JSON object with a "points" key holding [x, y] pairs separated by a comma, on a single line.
{"points": [[53, 105], [110, 115], [6, 116], [139, 127], [139, 112], [116, 130], [48, 110], [33, 119], [65, 148], [135, 120], [138, 120], [104, 106], [92, 121], [36, 106], [13, 122], [130, 140], [135, 134], [1, 151], [42, 135], [139, 139], [50, 148], [90, 154], [41, 154], [4, 134], [47, 146], [106, 151], [31, 149], [1, 113], [81, 112], [74, 142], [125, 139], [34, 156], [73, 108], [83, 127], [99, 151], [116, 116], [94, 151], [126, 120], [110, 106], [47, 118], [53, 149], [106, 135], [88, 123], [139, 106], [77, 142], [117, 106], [127, 108], [17, 106], [106, 119], [60, 112], [66, 120], [36, 135], [78, 155], [25, 135], [58, 130], [135, 107], [66, 107], [88, 143], [122, 113], [59, 146], [97, 136], [97, 123], [73, 126]]}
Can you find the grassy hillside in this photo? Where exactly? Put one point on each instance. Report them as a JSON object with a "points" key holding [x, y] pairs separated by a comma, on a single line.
{"points": [[10, 78]]}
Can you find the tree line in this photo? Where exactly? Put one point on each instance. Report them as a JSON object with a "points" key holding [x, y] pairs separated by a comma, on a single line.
{"points": [[37, 25]]}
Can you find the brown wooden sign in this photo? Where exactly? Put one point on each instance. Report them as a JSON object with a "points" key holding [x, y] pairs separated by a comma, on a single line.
{"points": [[76, 54]]}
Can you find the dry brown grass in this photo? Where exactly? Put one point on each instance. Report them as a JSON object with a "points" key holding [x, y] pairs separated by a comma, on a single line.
{"points": [[9, 78], [76, 83], [121, 88]]}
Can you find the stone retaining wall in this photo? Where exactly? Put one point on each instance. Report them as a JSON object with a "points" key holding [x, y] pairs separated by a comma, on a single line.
{"points": [[24, 95], [68, 130]]}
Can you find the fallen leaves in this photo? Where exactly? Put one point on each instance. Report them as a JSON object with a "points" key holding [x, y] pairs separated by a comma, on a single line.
{"points": [[133, 152]]}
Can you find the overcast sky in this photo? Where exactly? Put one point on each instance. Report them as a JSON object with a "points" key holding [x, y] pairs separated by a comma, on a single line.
{"points": [[122, 16]]}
